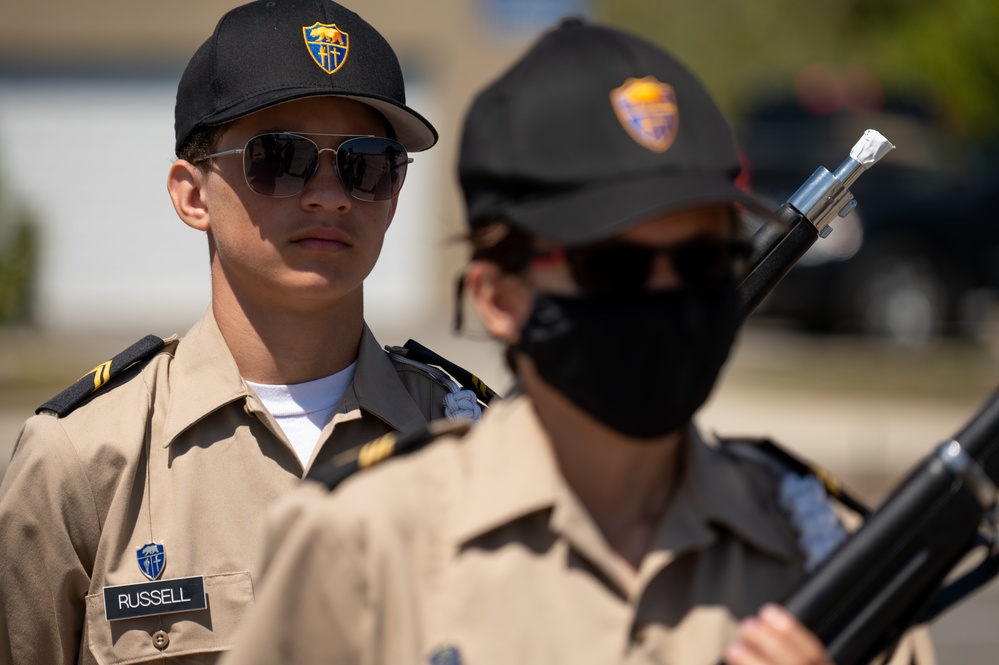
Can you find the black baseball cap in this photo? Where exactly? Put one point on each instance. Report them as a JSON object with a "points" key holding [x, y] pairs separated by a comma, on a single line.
{"points": [[272, 51], [590, 132]]}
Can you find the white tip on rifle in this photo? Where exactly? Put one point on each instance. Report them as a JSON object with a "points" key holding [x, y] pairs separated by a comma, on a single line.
{"points": [[871, 147]]}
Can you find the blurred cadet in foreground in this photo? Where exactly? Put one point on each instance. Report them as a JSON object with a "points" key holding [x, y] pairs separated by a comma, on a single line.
{"points": [[585, 519], [133, 505]]}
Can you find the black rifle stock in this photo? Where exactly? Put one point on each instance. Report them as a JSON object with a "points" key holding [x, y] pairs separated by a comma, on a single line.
{"points": [[887, 576]]}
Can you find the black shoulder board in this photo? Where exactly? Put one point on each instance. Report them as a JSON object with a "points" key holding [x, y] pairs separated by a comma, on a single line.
{"points": [[416, 351], [92, 381], [392, 444], [834, 488]]}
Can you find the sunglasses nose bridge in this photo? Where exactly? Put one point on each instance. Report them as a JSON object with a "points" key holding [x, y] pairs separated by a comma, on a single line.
{"points": [[320, 151], [318, 160], [662, 270]]}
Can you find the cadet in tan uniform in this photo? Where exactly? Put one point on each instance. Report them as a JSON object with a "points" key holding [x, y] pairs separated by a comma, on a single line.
{"points": [[584, 519], [131, 511]]}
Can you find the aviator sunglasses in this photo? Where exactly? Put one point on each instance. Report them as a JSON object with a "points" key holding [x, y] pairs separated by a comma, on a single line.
{"points": [[620, 268], [280, 164]]}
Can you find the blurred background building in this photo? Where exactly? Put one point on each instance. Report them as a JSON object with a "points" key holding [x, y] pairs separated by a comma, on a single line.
{"points": [[879, 345], [90, 243], [86, 103]]}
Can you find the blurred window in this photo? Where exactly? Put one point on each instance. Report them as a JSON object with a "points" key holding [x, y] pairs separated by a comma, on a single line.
{"points": [[520, 19]]}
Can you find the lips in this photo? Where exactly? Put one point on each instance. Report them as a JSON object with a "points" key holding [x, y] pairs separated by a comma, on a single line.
{"points": [[321, 239]]}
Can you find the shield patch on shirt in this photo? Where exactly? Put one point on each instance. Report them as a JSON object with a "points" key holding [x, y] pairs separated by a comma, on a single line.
{"points": [[152, 558]]}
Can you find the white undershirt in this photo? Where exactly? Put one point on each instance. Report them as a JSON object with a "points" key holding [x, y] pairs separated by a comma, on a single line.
{"points": [[302, 409]]}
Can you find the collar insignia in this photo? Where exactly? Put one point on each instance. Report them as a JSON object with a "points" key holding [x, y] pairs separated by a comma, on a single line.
{"points": [[647, 110], [152, 558], [328, 45]]}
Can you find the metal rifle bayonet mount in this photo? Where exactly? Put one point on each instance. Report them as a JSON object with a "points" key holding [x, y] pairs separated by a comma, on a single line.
{"points": [[805, 217], [825, 196]]}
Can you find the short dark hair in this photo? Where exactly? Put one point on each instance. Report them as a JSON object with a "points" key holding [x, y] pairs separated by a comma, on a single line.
{"points": [[201, 142], [504, 244]]}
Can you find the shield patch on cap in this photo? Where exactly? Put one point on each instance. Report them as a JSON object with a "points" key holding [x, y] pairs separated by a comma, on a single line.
{"points": [[152, 558], [328, 45], [647, 110]]}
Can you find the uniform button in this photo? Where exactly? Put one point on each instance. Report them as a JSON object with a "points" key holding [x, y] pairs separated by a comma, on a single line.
{"points": [[161, 640], [246, 410]]}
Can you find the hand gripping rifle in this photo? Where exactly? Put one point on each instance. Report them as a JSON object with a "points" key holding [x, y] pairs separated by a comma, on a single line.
{"points": [[890, 574]]}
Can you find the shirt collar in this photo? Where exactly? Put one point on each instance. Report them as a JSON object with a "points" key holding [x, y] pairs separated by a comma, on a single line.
{"points": [[511, 472], [513, 475], [715, 492], [204, 378], [378, 389]]}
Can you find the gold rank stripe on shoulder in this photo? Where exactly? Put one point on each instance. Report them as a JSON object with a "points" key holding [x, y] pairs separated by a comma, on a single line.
{"points": [[392, 444], [832, 484], [102, 374], [376, 451], [70, 398]]}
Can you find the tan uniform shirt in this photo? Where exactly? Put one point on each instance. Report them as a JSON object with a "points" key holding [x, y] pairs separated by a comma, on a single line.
{"points": [[475, 551], [181, 453]]}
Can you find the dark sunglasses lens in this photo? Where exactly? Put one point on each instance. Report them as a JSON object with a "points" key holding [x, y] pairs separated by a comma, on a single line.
{"points": [[279, 164], [611, 269], [625, 268], [709, 262], [372, 168]]}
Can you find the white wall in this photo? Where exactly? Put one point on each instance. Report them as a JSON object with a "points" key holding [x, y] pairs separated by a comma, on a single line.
{"points": [[90, 158]]}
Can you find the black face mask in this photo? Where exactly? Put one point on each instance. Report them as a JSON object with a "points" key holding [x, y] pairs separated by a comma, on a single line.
{"points": [[641, 364]]}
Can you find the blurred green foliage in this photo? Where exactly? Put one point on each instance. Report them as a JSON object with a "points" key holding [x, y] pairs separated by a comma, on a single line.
{"points": [[19, 246], [942, 52]]}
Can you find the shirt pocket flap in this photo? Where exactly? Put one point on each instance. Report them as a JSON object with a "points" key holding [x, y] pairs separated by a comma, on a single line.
{"points": [[141, 639]]}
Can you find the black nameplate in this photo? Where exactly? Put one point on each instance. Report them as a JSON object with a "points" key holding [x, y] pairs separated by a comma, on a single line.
{"points": [[128, 601]]}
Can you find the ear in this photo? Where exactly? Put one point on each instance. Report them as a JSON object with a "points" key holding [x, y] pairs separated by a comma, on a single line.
{"points": [[185, 182], [502, 301]]}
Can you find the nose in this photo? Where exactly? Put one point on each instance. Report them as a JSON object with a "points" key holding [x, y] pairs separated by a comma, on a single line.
{"points": [[663, 275], [324, 190]]}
